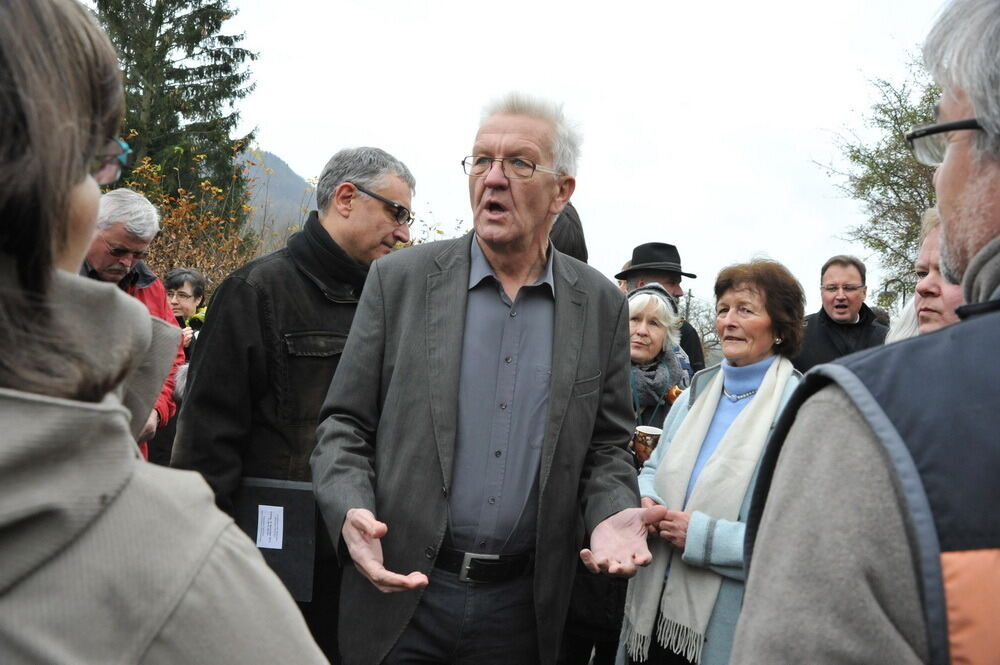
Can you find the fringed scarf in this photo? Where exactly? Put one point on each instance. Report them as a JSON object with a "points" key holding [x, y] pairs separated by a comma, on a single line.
{"points": [[686, 601]]}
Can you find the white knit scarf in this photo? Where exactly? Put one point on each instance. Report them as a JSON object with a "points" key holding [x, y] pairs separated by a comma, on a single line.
{"points": [[686, 601]]}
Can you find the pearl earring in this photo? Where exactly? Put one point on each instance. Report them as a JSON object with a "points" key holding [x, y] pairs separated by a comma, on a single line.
{"points": [[777, 340]]}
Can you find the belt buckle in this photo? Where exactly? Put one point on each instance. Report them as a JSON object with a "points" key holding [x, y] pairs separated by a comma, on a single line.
{"points": [[467, 559]]}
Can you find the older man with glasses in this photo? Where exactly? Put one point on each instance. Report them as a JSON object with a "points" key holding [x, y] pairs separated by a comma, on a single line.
{"points": [[477, 425], [271, 343], [874, 533], [845, 324], [126, 225]]}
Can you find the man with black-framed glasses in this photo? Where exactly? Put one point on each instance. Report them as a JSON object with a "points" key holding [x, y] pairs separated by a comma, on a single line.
{"points": [[844, 324], [127, 223], [269, 347], [874, 535]]}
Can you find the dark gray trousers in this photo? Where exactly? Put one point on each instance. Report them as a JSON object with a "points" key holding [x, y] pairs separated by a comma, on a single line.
{"points": [[457, 623]]}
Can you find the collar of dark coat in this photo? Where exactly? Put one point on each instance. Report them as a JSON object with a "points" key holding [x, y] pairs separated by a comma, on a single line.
{"points": [[866, 317], [979, 308], [319, 258], [140, 276]]}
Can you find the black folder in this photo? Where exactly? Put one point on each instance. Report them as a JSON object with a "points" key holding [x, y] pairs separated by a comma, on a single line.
{"points": [[280, 517]]}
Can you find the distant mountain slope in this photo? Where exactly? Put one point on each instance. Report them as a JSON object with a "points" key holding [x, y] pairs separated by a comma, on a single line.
{"points": [[280, 198]]}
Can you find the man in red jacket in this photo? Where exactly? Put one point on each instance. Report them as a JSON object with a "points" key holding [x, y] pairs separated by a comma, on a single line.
{"points": [[126, 225]]}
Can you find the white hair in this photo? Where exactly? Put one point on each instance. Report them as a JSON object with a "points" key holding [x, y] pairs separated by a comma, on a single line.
{"points": [[661, 312], [906, 324], [133, 210], [565, 138], [961, 54]]}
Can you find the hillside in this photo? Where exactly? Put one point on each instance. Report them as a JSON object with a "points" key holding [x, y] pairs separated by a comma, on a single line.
{"points": [[280, 198]]}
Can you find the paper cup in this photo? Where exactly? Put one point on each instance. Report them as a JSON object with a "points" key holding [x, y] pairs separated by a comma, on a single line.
{"points": [[644, 441]]}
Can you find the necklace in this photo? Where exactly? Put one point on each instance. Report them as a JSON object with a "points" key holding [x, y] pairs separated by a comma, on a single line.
{"points": [[737, 398]]}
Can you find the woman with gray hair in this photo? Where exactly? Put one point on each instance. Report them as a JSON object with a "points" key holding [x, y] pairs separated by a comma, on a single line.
{"points": [[660, 369]]}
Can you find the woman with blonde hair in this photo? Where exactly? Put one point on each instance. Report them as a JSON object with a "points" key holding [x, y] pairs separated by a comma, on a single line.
{"points": [[103, 558]]}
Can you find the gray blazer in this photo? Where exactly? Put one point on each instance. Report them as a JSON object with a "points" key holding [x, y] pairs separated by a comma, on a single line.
{"points": [[387, 432]]}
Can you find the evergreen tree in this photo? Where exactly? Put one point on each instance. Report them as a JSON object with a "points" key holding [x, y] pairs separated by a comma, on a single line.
{"points": [[894, 187], [183, 78]]}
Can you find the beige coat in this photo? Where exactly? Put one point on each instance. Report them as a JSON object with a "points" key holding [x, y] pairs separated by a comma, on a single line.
{"points": [[106, 559]]}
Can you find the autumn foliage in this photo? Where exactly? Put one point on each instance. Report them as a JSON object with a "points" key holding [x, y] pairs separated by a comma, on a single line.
{"points": [[195, 231]]}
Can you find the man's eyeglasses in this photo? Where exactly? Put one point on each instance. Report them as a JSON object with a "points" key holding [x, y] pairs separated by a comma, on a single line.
{"points": [[180, 295], [121, 252], [401, 213], [517, 168], [106, 166], [930, 143], [848, 288]]}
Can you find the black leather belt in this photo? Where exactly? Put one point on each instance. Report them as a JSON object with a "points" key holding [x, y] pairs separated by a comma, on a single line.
{"points": [[480, 568]]}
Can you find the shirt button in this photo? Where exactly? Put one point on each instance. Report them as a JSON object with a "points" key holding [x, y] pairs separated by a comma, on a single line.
{"points": [[508, 360], [444, 490], [482, 543], [503, 405], [513, 313], [493, 499], [429, 552], [498, 453]]}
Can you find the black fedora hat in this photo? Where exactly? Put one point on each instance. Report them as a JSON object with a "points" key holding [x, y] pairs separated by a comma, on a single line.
{"points": [[654, 256]]}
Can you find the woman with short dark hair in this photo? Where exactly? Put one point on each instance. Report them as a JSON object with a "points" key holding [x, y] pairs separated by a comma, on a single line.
{"points": [[186, 295], [683, 607]]}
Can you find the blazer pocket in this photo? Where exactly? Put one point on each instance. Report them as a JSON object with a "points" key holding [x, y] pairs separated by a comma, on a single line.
{"points": [[585, 387]]}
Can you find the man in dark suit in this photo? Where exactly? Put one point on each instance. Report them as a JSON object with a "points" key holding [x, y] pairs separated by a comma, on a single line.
{"points": [[845, 324], [478, 423]]}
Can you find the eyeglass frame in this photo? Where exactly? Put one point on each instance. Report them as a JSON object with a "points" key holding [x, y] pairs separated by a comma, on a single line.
{"points": [[99, 162], [408, 221], [171, 293], [534, 167], [848, 288], [122, 252], [918, 133]]}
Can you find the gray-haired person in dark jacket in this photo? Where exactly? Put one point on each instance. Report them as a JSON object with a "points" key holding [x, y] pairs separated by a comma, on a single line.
{"points": [[272, 342]]}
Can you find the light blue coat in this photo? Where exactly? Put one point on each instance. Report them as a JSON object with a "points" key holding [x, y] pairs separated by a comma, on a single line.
{"points": [[726, 537]]}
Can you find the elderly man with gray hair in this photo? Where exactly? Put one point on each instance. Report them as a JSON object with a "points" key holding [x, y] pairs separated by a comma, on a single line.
{"points": [[874, 532], [480, 428], [269, 348], [126, 225]]}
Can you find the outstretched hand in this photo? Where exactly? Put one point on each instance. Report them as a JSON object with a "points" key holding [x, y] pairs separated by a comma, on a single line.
{"points": [[362, 534], [618, 544]]}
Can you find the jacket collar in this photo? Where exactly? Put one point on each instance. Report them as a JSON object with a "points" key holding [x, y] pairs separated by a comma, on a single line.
{"points": [[480, 267], [140, 276], [981, 281], [865, 318], [322, 260]]}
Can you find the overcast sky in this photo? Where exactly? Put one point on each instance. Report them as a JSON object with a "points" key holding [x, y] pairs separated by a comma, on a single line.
{"points": [[702, 122]]}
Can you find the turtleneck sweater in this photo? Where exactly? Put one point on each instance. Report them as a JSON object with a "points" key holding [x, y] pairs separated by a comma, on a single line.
{"points": [[736, 381]]}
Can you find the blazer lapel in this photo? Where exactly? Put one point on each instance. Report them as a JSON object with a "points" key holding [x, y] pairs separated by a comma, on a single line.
{"points": [[447, 294], [571, 307]]}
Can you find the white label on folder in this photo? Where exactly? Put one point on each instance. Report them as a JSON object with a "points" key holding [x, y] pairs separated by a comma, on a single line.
{"points": [[269, 526]]}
